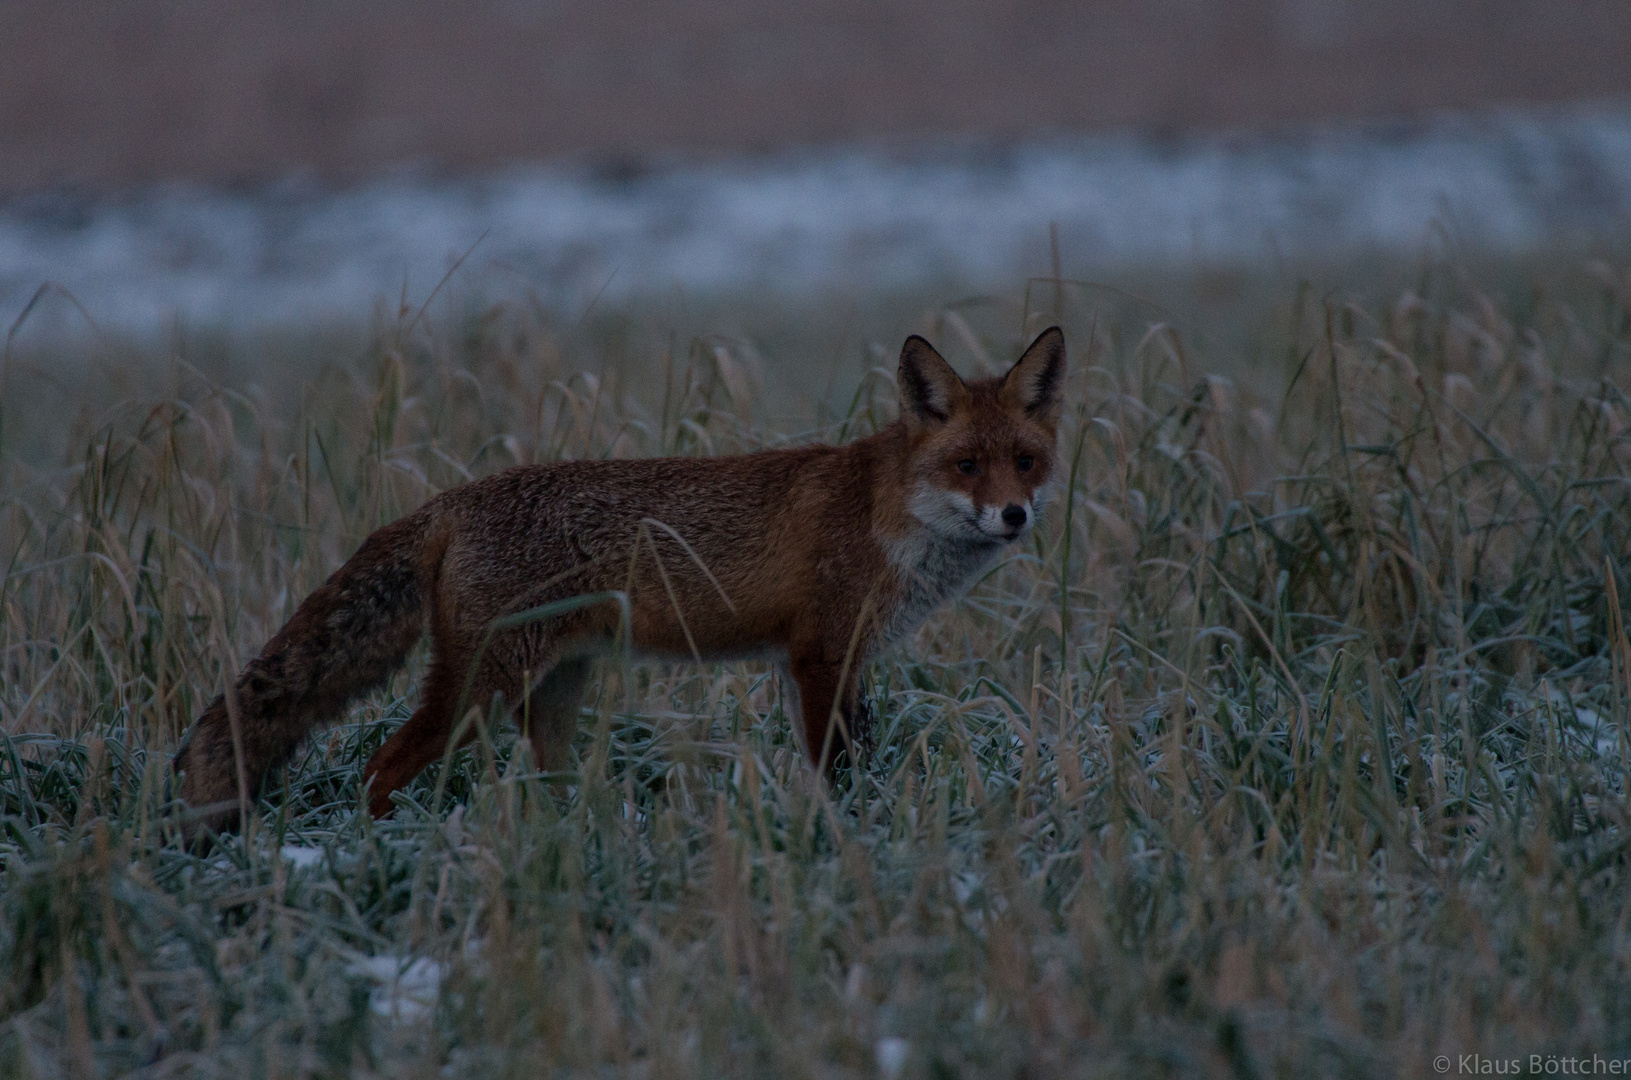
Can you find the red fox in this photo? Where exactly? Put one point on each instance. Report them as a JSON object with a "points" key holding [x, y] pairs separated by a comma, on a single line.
{"points": [[815, 557]]}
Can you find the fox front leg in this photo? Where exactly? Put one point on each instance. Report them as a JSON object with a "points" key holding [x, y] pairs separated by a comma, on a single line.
{"points": [[821, 685]]}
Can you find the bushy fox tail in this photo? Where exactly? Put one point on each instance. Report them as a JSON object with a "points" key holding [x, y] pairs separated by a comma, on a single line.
{"points": [[347, 638]]}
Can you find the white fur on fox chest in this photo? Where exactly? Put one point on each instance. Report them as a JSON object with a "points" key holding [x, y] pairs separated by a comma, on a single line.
{"points": [[931, 569]]}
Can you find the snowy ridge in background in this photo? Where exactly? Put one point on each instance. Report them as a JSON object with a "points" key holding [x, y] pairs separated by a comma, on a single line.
{"points": [[292, 255]]}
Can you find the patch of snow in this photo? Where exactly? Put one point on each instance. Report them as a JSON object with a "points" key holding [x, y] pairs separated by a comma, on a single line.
{"points": [[1604, 735], [301, 856], [406, 990], [891, 1053], [291, 255]]}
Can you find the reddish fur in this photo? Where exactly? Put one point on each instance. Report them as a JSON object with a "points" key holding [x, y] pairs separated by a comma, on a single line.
{"points": [[817, 549]]}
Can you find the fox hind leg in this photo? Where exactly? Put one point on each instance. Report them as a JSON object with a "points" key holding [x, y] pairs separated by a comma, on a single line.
{"points": [[549, 718], [422, 740], [550, 709]]}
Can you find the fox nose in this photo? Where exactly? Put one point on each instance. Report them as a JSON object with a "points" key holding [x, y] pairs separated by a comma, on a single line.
{"points": [[1013, 515]]}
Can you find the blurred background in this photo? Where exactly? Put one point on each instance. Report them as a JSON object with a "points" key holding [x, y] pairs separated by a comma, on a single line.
{"points": [[293, 163]]}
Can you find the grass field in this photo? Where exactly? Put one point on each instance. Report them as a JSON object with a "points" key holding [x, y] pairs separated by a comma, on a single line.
{"points": [[1294, 744]]}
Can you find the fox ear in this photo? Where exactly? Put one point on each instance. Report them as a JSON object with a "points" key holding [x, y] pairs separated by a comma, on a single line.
{"points": [[1034, 383], [929, 388]]}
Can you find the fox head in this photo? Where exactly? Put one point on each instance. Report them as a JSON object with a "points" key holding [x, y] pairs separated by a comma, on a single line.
{"points": [[981, 452]]}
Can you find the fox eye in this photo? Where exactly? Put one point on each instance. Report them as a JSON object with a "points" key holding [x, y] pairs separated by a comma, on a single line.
{"points": [[1025, 462], [967, 467]]}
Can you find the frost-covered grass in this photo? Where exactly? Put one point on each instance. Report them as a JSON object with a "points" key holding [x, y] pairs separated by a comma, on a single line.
{"points": [[1294, 745]]}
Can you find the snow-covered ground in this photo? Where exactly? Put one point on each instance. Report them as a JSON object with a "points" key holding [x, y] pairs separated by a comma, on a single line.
{"points": [[292, 254]]}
